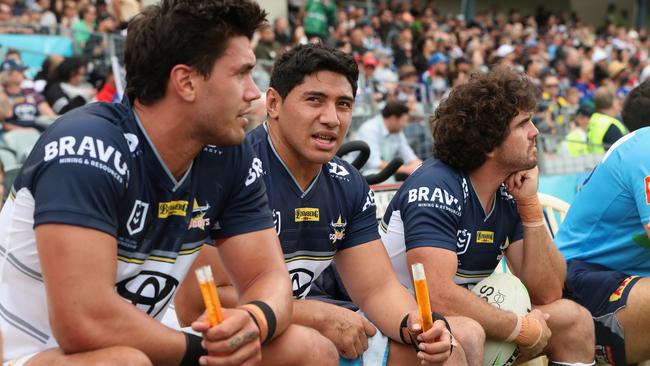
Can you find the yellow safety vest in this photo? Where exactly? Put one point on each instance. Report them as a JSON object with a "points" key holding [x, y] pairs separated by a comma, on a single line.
{"points": [[598, 125], [576, 143]]}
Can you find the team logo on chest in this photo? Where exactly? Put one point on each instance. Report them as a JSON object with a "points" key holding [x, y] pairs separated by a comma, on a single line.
{"points": [[339, 230], [199, 221]]}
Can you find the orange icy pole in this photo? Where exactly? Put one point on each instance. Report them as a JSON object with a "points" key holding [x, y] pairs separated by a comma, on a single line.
{"points": [[210, 295], [422, 295]]}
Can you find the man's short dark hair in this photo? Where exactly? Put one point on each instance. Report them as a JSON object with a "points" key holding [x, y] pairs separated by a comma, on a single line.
{"points": [[397, 109], [475, 118], [189, 32], [636, 106], [603, 98], [294, 65]]}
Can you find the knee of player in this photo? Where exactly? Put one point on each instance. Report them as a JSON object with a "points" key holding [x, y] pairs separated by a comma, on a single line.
{"points": [[308, 347], [578, 320], [127, 356], [325, 350], [467, 332]]}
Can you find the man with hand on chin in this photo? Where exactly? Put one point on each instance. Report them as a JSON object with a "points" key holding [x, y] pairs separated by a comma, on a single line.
{"points": [[475, 201]]}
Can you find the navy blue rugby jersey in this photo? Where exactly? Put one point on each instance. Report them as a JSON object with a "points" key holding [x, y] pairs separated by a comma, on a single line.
{"points": [[337, 211], [97, 168], [437, 207]]}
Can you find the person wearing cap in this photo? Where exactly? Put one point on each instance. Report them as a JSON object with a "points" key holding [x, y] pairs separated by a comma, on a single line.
{"points": [[604, 129], [605, 239], [435, 77], [26, 104], [618, 72], [575, 142], [585, 81]]}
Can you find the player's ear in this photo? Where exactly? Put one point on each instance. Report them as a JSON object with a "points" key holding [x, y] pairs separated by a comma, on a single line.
{"points": [[182, 81], [273, 103]]}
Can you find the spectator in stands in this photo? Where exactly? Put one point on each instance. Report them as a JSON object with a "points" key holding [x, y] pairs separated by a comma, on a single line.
{"points": [[576, 143], [604, 129], [84, 26], [282, 31], [584, 82], [267, 48], [124, 11], [48, 18], [66, 91], [12, 61], [386, 139], [26, 104], [320, 15], [46, 73], [70, 14], [108, 92], [605, 238]]}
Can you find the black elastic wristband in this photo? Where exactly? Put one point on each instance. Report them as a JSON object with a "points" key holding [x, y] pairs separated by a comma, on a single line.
{"points": [[437, 316], [271, 321], [403, 324], [193, 350]]}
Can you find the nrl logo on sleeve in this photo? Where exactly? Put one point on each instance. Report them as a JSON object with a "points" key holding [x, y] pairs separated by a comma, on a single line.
{"points": [[137, 217], [464, 238], [646, 184], [307, 214], [172, 208]]}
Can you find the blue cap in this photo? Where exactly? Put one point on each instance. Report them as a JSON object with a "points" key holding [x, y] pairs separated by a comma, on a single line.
{"points": [[437, 58], [11, 64]]}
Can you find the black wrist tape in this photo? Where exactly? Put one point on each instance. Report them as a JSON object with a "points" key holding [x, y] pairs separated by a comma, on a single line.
{"points": [[193, 350], [271, 321]]}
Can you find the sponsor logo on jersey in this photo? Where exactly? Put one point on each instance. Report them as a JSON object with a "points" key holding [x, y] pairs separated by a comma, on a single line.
{"points": [[485, 237], [338, 171], [307, 214], [301, 279], [172, 208], [199, 221], [616, 295], [277, 221], [339, 230], [137, 217], [436, 198], [150, 291], [464, 238], [370, 200], [646, 184], [254, 172], [89, 151]]}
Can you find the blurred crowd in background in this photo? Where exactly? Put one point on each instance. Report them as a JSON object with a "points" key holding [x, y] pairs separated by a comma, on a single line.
{"points": [[407, 53]]}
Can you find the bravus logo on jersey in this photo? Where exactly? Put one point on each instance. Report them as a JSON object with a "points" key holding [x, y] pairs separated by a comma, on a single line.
{"points": [[87, 151], [436, 198]]}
